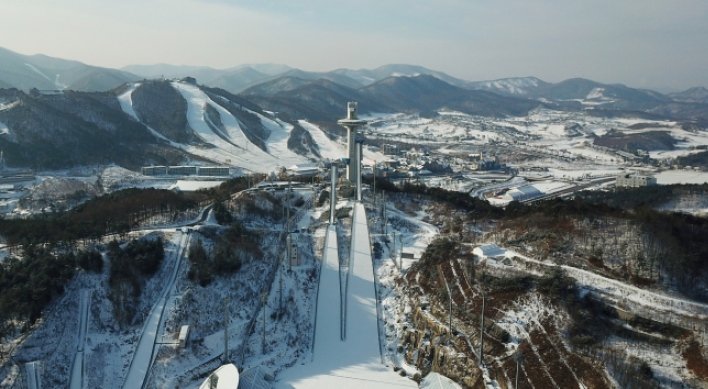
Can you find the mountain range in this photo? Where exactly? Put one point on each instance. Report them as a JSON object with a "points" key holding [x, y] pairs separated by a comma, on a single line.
{"points": [[57, 113], [41, 72]]}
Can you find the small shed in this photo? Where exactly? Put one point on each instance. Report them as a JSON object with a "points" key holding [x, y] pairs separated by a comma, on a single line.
{"points": [[183, 336], [437, 381], [488, 250]]}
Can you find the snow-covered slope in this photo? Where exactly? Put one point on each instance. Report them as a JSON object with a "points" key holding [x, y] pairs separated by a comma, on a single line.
{"points": [[226, 143], [355, 362], [518, 86]]}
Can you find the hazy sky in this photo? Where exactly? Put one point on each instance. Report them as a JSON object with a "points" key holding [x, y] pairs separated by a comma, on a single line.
{"points": [[641, 43]]}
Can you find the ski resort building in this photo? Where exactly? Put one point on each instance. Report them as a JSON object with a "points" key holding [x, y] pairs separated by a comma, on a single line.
{"points": [[210, 171], [181, 170], [214, 171], [153, 170], [303, 170], [488, 250], [522, 193], [391, 149], [634, 181]]}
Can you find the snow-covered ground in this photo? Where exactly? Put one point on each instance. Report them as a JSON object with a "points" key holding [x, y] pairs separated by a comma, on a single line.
{"points": [[145, 351], [355, 362], [328, 148], [231, 144], [669, 177]]}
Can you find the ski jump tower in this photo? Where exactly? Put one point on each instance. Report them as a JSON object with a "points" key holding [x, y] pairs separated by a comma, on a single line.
{"points": [[351, 122]]}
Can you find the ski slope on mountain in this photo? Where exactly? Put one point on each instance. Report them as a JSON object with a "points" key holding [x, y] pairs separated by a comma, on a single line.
{"points": [[277, 142], [126, 104], [328, 148], [246, 153], [355, 362], [230, 144]]}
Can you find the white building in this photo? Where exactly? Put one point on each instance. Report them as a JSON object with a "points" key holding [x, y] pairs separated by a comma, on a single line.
{"points": [[221, 171], [488, 250], [522, 193], [183, 336], [154, 170], [634, 181], [181, 170], [303, 169]]}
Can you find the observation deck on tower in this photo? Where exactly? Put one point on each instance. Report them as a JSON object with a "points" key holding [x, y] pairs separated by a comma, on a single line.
{"points": [[352, 122]]}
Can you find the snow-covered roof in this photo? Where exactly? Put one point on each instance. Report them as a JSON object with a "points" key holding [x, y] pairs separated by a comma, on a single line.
{"points": [[254, 378], [488, 250], [523, 193], [436, 381], [228, 378], [192, 186], [301, 166]]}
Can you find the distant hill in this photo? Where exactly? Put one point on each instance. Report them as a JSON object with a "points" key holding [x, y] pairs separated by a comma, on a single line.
{"points": [[320, 100], [237, 79], [72, 129], [367, 77], [313, 76], [149, 122], [238, 76], [358, 78], [162, 70], [25, 72], [273, 86], [693, 95], [517, 86], [425, 93], [583, 89]]}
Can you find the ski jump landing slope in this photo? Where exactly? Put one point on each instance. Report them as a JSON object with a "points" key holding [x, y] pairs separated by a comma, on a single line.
{"points": [[356, 362]]}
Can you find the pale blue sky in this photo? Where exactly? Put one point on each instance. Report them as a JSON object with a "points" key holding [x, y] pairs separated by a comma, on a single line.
{"points": [[641, 43]]}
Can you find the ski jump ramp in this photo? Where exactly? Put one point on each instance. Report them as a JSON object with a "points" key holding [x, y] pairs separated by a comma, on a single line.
{"points": [[355, 362]]}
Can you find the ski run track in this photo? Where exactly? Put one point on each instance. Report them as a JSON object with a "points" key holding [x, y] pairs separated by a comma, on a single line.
{"points": [[355, 362], [233, 144]]}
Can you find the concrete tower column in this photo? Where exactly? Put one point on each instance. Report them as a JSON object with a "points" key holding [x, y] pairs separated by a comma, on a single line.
{"points": [[333, 195], [359, 143], [352, 123]]}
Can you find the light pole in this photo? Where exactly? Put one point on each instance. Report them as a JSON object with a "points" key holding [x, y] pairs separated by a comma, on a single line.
{"points": [[264, 299], [481, 346], [226, 329]]}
